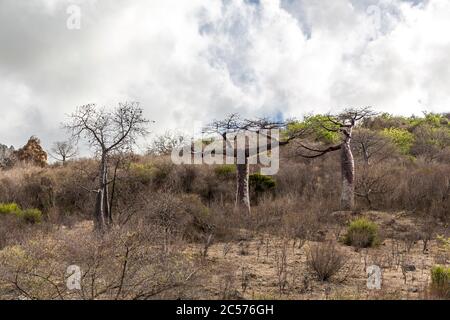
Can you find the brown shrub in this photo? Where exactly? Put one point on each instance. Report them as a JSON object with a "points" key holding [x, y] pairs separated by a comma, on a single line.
{"points": [[325, 260], [123, 264], [302, 226]]}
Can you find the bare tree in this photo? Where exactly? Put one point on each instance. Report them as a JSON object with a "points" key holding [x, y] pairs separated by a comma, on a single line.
{"points": [[63, 151], [373, 180], [344, 124], [230, 127], [107, 132], [165, 143], [229, 130], [430, 143], [371, 146]]}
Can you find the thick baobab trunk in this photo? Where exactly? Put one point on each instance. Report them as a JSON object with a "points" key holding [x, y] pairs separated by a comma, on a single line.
{"points": [[348, 175], [242, 188]]}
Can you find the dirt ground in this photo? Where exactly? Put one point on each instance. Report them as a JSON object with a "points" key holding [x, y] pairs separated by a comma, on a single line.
{"points": [[250, 268]]}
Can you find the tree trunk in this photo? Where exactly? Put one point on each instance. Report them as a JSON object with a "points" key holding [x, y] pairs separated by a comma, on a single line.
{"points": [[348, 175], [107, 208], [366, 155], [101, 205], [113, 189], [242, 188], [99, 221]]}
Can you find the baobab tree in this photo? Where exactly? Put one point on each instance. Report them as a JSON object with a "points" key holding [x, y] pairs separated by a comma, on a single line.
{"points": [[231, 129], [107, 132], [63, 151], [342, 124]]}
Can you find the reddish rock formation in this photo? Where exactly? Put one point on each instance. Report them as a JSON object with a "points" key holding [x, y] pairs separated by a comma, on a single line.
{"points": [[32, 153]]}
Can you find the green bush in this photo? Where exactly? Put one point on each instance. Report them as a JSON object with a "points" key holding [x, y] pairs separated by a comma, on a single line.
{"points": [[9, 208], [261, 183], [156, 172], [31, 215], [440, 281], [225, 171], [361, 233], [142, 172]]}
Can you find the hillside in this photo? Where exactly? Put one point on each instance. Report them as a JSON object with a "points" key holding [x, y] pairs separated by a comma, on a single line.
{"points": [[176, 230]]}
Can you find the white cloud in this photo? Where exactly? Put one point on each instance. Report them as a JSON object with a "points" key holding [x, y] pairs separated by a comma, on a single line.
{"points": [[201, 59]]}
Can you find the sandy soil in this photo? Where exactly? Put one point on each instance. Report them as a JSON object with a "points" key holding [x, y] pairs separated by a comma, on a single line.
{"points": [[247, 269]]}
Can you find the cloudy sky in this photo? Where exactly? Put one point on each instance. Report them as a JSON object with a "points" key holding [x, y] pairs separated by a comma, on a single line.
{"points": [[196, 60]]}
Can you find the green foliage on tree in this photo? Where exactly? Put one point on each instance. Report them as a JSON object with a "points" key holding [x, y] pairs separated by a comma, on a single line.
{"points": [[434, 120], [402, 138], [386, 121], [319, 126]]}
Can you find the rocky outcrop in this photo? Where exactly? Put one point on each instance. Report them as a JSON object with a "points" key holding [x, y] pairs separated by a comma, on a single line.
{"points": [[32, 153], [7, 156]]}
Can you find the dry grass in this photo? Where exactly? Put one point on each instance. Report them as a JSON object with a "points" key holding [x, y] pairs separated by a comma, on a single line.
{"points": [[178, 231]]}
